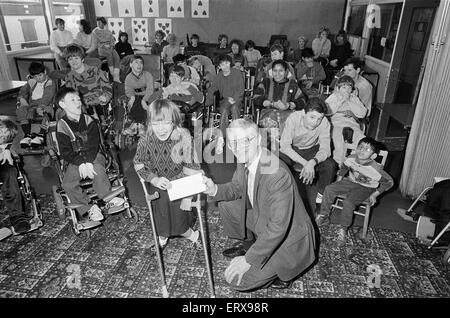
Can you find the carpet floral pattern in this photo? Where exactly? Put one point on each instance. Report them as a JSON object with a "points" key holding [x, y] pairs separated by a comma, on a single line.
{"points": [[118, 261]]}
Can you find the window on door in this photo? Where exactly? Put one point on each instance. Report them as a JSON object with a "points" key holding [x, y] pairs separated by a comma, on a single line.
{"points": [[28, 23], [382, 37]]}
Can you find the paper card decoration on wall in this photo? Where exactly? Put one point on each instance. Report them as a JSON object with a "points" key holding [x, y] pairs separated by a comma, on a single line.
{"points": [[102, 8], [126, 8], [175, 8], [164, 25], [150, 8], [115, 25], [373, 16], [200, 8], [139, 31]]}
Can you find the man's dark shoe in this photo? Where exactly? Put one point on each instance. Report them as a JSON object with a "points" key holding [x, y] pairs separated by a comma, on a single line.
{"points": [[20, 224], [237, 250], [281, 284]]}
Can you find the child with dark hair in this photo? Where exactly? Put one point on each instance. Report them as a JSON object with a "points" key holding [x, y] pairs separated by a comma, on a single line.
{"points": [[78, 138], [276, 53], [159, 44], [237, 48], [309, 72], [366, 179], [305, 146], [139, 86], [277, 97], [346, 109], [91, 82], [123, 48], [11, 192], [190, 73], [195, 47], [103, 41], [230, 84], [251, 54], [35, 98], [184, 93], [84, 36]]}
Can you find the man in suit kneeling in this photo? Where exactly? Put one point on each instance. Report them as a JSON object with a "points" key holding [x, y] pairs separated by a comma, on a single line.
{"points": [[261, 207]]}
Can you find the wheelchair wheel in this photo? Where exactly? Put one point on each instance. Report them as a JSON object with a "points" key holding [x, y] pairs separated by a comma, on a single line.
{"points": [[60, 208], [134, 215], [446, 257]]}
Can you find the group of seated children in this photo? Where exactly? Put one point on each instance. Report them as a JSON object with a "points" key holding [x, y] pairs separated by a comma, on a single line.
{"points": [[305, 146]]}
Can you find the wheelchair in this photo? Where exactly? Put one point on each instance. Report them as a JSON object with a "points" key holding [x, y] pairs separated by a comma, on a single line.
{"points": [[31, 204], [122, 140], [65, 208]]}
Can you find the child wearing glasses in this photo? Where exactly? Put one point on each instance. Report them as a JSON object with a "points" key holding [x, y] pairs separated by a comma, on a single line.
{"points": [[35, 98], [165, 153], [345, 109], [366, 179]]}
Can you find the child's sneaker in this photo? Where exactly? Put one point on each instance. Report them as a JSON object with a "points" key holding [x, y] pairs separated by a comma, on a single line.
{"points": [[37, 141], [116, 202], [95, 214], [342, 236], [319, 198], [26, 142], [322, 220]]}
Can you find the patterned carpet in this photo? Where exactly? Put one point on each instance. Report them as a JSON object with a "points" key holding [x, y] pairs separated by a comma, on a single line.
{"points": [[117, 261]]}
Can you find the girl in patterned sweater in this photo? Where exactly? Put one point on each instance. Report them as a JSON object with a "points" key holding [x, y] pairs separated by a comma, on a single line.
{"points": [[165, 153]]}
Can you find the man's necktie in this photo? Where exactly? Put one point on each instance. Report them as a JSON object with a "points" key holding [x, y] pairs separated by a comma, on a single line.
{"points": [[245, 202]]}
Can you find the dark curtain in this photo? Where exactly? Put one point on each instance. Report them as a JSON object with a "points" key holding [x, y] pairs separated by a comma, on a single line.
{"points": [[89, 10]]}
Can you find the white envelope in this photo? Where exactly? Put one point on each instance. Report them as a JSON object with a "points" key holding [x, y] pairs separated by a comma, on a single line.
{"points": [[185, 187]]}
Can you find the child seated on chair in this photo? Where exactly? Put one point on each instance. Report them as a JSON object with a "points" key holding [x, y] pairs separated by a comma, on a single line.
{"points": [[91, 82], [35, 98], [163, 154], [190, 73], [138, 88], [366, 180], [230, 84], [346, 109], [79, 146], [11, 192], [309, 73]]}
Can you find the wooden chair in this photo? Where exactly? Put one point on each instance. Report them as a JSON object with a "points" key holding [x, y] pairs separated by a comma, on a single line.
{"points": [[365, 208]]}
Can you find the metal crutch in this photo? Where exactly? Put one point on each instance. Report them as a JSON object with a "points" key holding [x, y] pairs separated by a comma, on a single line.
{"points": [[148, 199], [198, 205]]}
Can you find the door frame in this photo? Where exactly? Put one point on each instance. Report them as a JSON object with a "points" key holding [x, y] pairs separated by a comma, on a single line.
{"points": [[400, 46]]}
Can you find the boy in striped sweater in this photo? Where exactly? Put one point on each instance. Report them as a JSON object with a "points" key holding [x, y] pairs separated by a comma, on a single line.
{"points": [[366, 179]]}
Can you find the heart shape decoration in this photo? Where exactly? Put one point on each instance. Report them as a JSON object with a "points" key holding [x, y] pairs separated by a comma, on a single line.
{"points": [[126, 11], [200, 3], [195, 12], [204, 12], [179, 9], [102, 3], [112, 24], [135, 22], [172, 9]]}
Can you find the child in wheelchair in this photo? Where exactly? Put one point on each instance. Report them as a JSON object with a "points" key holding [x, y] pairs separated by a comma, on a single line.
{"points": [[138, 89], [11, 192], [79, 144], [35, 100], [190, 73], [91, 82]]}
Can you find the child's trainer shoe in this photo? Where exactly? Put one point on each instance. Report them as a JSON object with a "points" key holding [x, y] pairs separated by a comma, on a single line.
{"points": [[26, 142], [95, 214]]}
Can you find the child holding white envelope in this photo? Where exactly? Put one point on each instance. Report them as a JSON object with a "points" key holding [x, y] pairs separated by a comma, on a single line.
{"points": [[165, 153]]}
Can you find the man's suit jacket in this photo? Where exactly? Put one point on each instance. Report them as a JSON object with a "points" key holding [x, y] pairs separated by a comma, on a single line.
{"points": [[285, 235]]}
